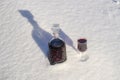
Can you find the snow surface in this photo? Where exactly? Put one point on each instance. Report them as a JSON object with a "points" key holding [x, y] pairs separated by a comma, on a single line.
{"points": [[25, 29]]}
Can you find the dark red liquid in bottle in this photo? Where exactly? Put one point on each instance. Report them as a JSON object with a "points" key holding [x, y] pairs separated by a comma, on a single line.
{"points": [[57, 51]]}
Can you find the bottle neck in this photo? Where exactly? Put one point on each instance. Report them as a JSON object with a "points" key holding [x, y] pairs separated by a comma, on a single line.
{"points": [[56, 35], [55, 30]]}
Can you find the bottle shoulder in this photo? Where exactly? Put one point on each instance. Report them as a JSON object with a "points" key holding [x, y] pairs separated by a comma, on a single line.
{"points": [[52, 39], [56, 42]]}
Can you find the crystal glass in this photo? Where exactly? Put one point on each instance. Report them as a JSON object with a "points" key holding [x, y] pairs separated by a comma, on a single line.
{"points": [[82, 47]]}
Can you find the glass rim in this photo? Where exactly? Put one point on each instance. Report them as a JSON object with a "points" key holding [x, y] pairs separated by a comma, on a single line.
{"points": [[82, 40]]}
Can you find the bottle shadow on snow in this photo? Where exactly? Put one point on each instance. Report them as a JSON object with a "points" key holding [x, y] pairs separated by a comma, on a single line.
{"points": [[40, 36]]}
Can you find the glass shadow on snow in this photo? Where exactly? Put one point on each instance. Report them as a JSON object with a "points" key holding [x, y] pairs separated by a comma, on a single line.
{"points": [[40, 36], [67, 39]]}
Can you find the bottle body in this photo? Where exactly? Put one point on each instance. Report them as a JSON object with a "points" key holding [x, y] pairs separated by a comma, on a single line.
{"points": [[57, 51]]}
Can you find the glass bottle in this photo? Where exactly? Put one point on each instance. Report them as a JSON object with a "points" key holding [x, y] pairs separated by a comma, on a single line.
{"points": [[57, 47]]}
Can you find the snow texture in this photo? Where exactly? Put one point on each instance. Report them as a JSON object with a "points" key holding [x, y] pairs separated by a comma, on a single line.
{"points": [[25, 29]]}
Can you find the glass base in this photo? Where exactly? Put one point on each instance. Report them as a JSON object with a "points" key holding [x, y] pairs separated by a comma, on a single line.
{"points": [[84, 57]]}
